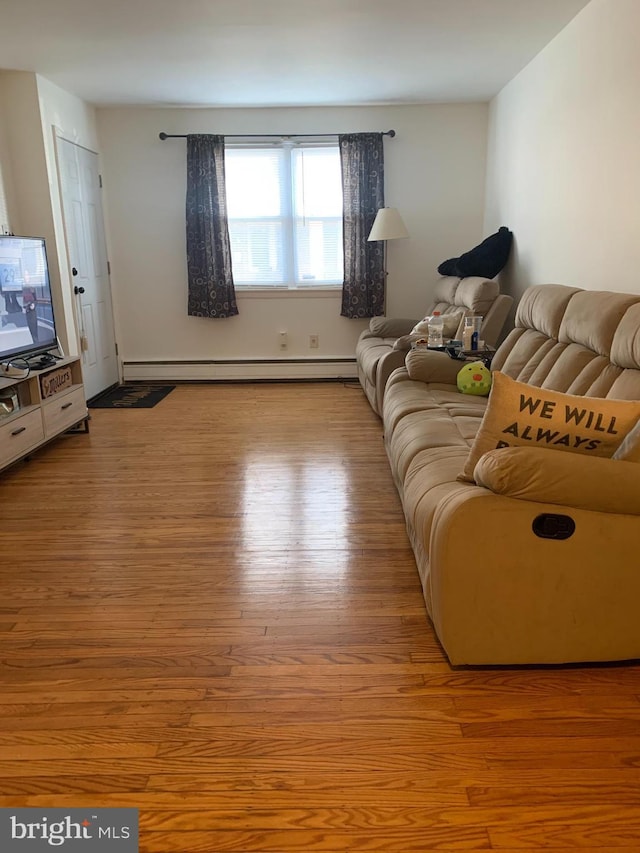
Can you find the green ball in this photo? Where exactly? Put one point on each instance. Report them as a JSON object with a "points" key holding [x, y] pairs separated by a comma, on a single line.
{"points": [[474, 378]]}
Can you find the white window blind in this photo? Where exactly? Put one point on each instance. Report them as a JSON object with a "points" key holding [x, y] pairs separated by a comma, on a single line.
{"points": [[284, 204]]}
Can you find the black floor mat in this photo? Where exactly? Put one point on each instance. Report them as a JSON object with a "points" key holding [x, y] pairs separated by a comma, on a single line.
{"points": [[131, 397]]}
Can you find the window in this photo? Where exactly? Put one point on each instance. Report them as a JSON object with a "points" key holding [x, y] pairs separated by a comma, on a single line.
{"points": [[284, 203]]}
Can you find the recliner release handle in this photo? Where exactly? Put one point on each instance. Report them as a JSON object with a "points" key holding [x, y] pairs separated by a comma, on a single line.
{"points": [[552, 526]]}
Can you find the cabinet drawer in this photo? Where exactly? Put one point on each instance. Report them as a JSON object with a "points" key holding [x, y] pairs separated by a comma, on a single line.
{"points": [[19, 436], [63, 410]]}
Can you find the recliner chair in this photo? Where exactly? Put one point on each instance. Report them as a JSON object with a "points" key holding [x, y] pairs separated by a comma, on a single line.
{"points": [[383, 347]]}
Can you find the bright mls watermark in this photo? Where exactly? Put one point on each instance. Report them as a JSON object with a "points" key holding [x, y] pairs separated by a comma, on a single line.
{"points": [[69, 830]]}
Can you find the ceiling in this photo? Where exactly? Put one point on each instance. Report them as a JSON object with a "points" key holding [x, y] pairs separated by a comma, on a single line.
{"points": [[278, 52]]}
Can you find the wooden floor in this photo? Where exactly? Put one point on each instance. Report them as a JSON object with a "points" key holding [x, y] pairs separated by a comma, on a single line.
{"points": [[210, 612]]}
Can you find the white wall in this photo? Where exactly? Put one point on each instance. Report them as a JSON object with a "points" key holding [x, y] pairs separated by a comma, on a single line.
{"points": [[27, 200], [30, 107], [564, 156], [64, 115], [5, 173], [435, 175]]}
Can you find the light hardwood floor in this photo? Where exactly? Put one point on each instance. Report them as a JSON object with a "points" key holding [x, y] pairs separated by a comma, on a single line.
{"points": [[210, 612]]}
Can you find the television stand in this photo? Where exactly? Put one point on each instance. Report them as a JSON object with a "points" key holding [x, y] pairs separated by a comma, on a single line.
{"points": [[40, 407]]}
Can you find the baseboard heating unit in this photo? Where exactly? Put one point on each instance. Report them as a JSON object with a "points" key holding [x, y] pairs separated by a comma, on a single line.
{"points": [[240, 370]]}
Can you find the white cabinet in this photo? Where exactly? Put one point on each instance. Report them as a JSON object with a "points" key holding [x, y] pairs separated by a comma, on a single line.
{"points": [[20, 435], [50, 401]]}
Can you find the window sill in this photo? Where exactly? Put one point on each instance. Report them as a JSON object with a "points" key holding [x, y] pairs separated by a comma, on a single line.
{"points": [[288, 293]]}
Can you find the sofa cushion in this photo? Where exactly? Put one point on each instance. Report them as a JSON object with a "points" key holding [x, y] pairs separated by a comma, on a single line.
{"points": [[445, 291], [477, 294], [537, 474], [592, 318], [526, 416], [625, 347], [542, 307]]}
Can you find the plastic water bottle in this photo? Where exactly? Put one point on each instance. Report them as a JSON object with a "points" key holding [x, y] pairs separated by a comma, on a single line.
{"points": [[436, 327]]}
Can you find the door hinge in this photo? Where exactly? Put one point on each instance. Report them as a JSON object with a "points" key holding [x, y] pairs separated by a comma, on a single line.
{"points": [[100, 181], [108, 267], [116, 348]]}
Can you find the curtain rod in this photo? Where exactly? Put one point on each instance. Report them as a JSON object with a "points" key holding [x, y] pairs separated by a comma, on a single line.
{"points": [[164, 136]]}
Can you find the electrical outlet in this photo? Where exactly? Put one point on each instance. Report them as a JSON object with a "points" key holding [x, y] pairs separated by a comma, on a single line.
{"points": [[314, 341], [283, 340]]}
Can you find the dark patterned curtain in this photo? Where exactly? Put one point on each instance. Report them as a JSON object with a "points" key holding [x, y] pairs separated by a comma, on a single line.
{"points": [[362, 162], [211, 291]]}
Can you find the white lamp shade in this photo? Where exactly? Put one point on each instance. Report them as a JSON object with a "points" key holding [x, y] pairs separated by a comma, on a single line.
{"points": [[388, 225]]}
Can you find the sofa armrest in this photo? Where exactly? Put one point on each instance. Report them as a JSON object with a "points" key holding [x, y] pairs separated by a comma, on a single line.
{"points": [[432, 366], [389, 327], [555, 477], [386, 365], [495, 320]]}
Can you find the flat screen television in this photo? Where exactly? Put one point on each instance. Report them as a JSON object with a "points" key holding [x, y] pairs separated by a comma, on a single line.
{"points": [[27, 325]]}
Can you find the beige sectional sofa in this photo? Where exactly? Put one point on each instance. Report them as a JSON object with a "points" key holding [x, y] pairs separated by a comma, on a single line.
{"points": [[538, 561], [383, 347]]}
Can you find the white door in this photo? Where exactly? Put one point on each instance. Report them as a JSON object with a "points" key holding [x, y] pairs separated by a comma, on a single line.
{"points": [[84, 229]]}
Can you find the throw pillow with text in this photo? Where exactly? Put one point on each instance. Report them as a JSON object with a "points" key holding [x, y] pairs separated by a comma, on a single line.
{"points": [[521, 415]]}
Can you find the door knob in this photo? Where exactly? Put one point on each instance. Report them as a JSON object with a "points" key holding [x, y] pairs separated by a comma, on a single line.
{"points": [[78, 290], [74, 271]]}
